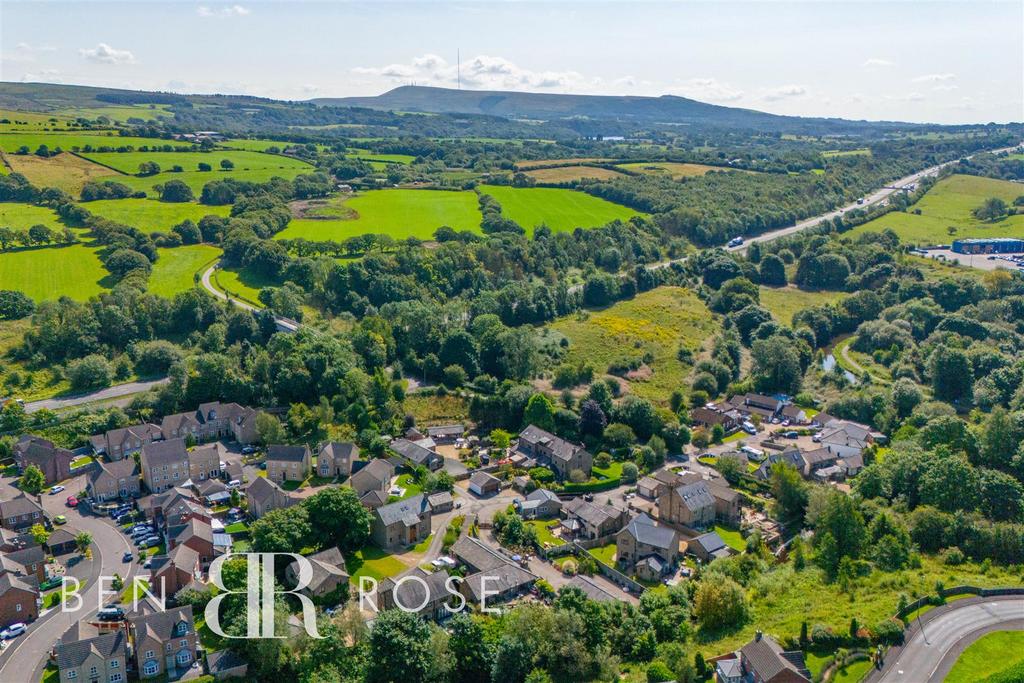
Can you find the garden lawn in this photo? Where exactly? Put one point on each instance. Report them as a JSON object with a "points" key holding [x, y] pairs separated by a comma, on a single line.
{"points": [[175, 268], [988, 655], [853, 672], [605, 554], [197, 179], [52, 272], [150, 215], [423, 545], [732, 537], [398, 213], [411, 487], [19, 216], [784, 302], [561, 210], [949, 204], [65, 171], [128, 162], [544, 534], [134, 590], [659, 322], [373, 562], [613, 471]]}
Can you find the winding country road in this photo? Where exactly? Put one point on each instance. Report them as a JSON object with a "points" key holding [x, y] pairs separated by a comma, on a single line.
{"points": [[283, 324], [117, 391], [934, 644]]}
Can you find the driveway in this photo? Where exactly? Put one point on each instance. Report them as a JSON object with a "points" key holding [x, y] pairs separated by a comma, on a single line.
{"points": [[29, 652], [934, 643]]}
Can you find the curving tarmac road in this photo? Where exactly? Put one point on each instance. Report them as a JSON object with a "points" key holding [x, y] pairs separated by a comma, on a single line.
{"points": [[933, 646], [117, 391]]}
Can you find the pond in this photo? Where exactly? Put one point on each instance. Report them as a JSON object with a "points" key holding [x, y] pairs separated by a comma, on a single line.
{"points": [[828, 364]]}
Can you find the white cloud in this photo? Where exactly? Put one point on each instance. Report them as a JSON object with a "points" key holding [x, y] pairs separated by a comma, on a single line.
{"points": [[877, 62], [944, 88], [42, 76], [104, 54], [784, 92], [934, 78], [227, 11], [482, 71], [709, 90]]}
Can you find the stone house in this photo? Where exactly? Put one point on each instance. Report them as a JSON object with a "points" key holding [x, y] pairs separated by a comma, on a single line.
{"points": [[163, 642], [118, 479], [335, 458], [642, 538], [164, 464], [590, 521], [402, 523], [288, 463], [690, 505], [122, 442], [375, 476], [100, 659], [540, 504], [264, 495], [204, 461], [560, 455], [329, 573]]}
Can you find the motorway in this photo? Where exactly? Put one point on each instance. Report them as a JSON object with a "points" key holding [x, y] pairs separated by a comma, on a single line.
{"points": [[28, 652], [933, 647]]}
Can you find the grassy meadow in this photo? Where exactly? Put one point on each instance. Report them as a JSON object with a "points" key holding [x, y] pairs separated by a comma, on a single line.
{"points": [[121, 113], [197, 179], [659, 321], [672, 169], [242, 284], [561, 210], [66, 172], [150, 215], [175, 269], [565, 174], [128, 162], [11, 141], [398, 213], [948, 205], [534, 163], [785, 302], [52, 272], [19, 216]]}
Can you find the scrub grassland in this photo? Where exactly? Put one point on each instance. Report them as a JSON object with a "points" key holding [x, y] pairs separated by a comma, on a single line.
{"points": [[655, 324], [398, 213], [945, 213], [672, 169], [565, 174], [175, 269], [66, 172], [150, 215], [561, 210], [784, 302], [128, 162]]}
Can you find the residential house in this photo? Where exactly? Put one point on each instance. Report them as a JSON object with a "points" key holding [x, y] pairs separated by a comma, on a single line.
{"points": [[17, 599], [817, 459], [794, 413], [196, 534], [790, 455], [642, 539], [484, 484], [372, 500], [446, 433], [329, 573], [414, 454], [164, 464], [560, 455], [851, 465], [211, 421], [821, 419], [402, 523], [648, 487], [288, 463], [163, 642], [540, 504], [54, 462], [226, 664], [589, 521], [204, 461], [20, 512], [498, 584], [122, 442], [591, 589], [727, 500], [762, 660], [476, 555], [100, 659], [707, 547], [440, 502], [117, 479], [171, 572], [173, 507], [765, 407], [33, 561], [375, 476], [689, 504], [710, 417], [264, 495], [334, 459], [212, 492], [847, 434], [62, 541], [425, 593]]}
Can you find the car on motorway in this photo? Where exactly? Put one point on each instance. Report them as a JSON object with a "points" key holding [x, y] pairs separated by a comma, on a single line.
{"points": [[54, 490], [71, 502], [13, 631], [60, 519]]}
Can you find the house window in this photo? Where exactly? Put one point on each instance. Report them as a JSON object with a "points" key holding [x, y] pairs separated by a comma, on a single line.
{"points": [[150, 668], [115, 663], [184, 657], [184, 643], [168, 647], [115, 678], [72, 674], [17, 608], [149, 654], [92, 670]]}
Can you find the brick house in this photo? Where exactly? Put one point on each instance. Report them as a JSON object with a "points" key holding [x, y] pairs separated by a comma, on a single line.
{"points": [[164, 464], [163, 642], [288, 463], [54, 462], [196, 534], [118, 479], [20, 512], [17, 599], [171, 572]]}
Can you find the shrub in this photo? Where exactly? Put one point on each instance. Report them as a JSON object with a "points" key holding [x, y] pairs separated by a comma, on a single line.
{"points": [[952, 556], [888, 632], [89, 373], [658, 672], [602, 460]]}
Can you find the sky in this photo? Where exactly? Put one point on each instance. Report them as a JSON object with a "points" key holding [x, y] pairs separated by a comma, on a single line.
{"points": [[942, 62]]}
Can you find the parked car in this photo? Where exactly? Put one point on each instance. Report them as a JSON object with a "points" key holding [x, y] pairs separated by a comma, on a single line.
{"points": [[51, 582], [791, 434], [54, 490], [60, 519], [110, 613], [248, 450], [13, 631], [150, 542], [71, 502], [234, 484]]}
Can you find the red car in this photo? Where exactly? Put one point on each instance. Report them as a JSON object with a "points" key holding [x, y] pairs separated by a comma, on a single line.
{"points": [[72, 501]]}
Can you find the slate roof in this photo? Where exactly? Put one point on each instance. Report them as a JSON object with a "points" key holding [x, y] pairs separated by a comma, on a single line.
{"points": [[125, 468], [192, 528], [412, 593], [440, 498], [340, 450], [262, 489], [591, 589], [819, 456], [695, 496], [31, 555], [61, 535], [406, 511], [374, 498], [74, 654], [9, 581], [482, 479], [710, 542], [541, 495], [414, 453], [476, 554], [645, 531], [160, 453], [283, 453], [559, 447], [377, 470], [223, 661], [19, 505], [504, 577], [161, 625], [445, 431], [325, 563], [772, 664]]}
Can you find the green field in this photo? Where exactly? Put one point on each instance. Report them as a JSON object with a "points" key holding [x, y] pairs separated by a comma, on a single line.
{"points": [[23, 216], [988, 655], [128, 162], [949, 204], [175, 268], [675, 170], [253, 145], [64, 171], [242, 284], [10, 142], [150, 215], [52, 272], [121, 113], [659, 321], [561, 210], [784, 302], [197, 179], [30, 120], [399, 213]]}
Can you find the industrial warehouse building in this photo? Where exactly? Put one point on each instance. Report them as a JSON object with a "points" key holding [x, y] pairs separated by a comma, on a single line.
{"points": [[989, 245]]}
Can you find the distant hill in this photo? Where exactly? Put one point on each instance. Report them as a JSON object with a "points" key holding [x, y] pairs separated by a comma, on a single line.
{"points": [[667, 109]]}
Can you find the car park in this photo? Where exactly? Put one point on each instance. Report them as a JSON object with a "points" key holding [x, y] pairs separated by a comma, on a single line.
{"points": [[13, 631], [54, 490]]}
